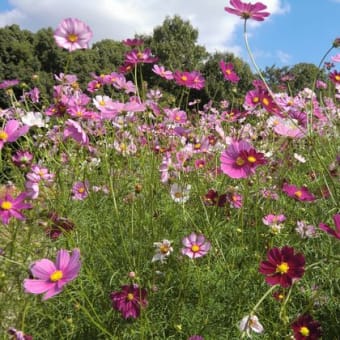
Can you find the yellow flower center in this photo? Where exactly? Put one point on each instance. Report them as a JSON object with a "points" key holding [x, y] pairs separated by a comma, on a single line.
{"points": [[72, 38], [178, 194], [130, 297], [139, 55], [195, 248], [123, 147], [184, 78], [227, 71], [3, 135], [6, 205], [304, 331], [251, 159], [298, 193], [256, 99], [79, 113], [282, 268], [164, 249], [81, 190], [239, 161], [56, 276], [337, 77], [265, 101]]}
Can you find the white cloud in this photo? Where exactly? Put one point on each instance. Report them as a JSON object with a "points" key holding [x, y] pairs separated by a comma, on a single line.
{"points": [[121, 19], [283, 57]]}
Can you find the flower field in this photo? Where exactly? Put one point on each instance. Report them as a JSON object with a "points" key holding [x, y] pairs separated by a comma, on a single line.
{"points": [[124, 215]]}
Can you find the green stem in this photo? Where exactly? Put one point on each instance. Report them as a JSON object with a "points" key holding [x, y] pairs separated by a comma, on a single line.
{"points": [[253, 60]]}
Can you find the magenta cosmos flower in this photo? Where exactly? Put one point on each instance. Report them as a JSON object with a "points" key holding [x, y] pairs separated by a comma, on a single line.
{"points": [[11, 132], [240, 160], [195, 246], [129, 300], [247, 10], [305, 327], [334, 232], [300, 194], [10, 207], [72, 34], [49, 277], [228, 72], [282, 266]]}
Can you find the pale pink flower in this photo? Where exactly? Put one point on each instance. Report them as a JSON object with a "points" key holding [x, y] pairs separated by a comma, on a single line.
{"points": [[72, 34], [195, 246], [250, 323], [75, 131]]}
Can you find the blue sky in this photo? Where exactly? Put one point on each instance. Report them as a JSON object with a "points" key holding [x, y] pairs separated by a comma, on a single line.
{"points": [[296, 31]]}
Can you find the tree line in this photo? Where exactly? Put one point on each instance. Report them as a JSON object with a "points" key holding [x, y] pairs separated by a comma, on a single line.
{"points": [[34, 59]]}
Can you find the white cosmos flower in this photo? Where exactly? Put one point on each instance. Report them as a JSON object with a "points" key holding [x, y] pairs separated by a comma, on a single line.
{"points": [[163, 250], [33, 119], [250, 323], [179, 193], [300, 158]]}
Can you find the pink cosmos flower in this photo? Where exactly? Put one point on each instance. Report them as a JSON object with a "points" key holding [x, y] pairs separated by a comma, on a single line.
{"points": [[72, 34], [135, 57], [10, 207], [190, 80], [300, 194], [19, 335], [162, 72], [49, 277], [240, 160], [335, 77], [75, 131], [8, 83], [283, 266], [336, 58], [11, 132], [129, 300], [228, 72], [80, 190], [133, 42], [333, 232], [273, 219], [195, 246], [247, 10]]}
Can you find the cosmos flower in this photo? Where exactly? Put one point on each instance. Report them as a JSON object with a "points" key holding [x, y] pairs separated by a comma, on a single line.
{"points": [[74, 130], [179, 193], [80, 190], [163, 250], [129, 300], [250, 323], [195, 246], [333, 232], [283, 266], [11, 132], [247, 10], [228, 72], [72, 34], [240, 160], [305, 327], [305, 230], [11, 207], [19, 335], [49, 277], [300, 194]]}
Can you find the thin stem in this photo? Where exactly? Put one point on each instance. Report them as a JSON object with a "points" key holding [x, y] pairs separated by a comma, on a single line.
{"points": [[253, 60]]}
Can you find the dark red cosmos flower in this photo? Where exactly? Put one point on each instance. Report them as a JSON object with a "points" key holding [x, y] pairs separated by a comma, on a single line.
{"points": [[282, 266], [305, 327], [129, 300]]}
